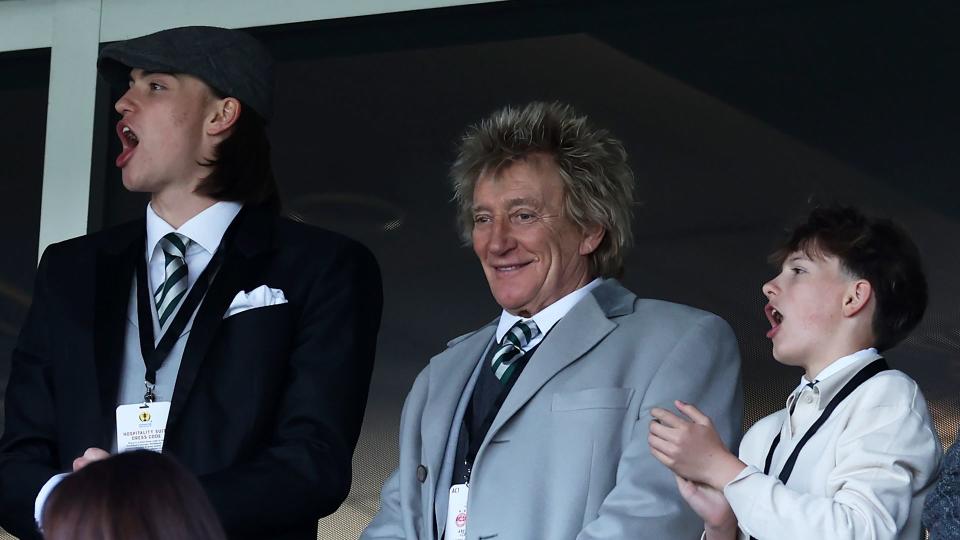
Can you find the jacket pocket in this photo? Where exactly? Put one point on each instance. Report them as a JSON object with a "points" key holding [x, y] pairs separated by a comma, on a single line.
{"points": [[592, 398]]}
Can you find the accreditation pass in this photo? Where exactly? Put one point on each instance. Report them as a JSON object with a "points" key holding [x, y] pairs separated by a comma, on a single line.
{"points": [[457, 513], [142, 426]]}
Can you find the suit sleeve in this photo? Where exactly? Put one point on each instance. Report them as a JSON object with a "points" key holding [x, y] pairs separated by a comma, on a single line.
{"points": [[941, 511], [391, 521], [305, 471], [28, 449], [702, 368]]}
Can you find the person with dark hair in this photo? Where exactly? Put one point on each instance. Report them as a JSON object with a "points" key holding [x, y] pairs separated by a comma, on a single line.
{"points": [[853, 453], [527, 427], [138, 494], [236, 340], [941, 511]]}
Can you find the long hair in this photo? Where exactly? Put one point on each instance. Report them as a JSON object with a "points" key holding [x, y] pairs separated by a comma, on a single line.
{"points": [[139, 494], [241, 169]]}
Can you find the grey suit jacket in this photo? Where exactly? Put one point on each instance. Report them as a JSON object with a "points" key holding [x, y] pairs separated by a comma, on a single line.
{"points": [[567, 455]]}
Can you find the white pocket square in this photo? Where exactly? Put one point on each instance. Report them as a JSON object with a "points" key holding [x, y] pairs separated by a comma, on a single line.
{"points": [[262, 296]]}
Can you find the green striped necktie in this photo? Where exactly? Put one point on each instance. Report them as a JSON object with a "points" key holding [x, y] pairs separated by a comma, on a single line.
{"points": [[511, 348], [174, 286]]}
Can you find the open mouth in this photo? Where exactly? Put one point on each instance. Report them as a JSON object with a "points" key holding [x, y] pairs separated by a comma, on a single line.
{"points": [[775, 318], [129, 140]]}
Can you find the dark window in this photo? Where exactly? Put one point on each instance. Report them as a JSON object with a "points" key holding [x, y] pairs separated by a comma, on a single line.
{"points": [[23, 93]]}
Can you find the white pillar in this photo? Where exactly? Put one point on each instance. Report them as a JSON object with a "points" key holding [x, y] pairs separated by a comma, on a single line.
{"points": [[73, 84]]}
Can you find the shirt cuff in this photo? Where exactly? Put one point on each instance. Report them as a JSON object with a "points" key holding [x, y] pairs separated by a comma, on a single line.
{"points": [[42, 497], [747, 471], [743, 493]]}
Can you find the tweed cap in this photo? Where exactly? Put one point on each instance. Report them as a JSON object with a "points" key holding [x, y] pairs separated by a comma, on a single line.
{"points": [[230, 61]]}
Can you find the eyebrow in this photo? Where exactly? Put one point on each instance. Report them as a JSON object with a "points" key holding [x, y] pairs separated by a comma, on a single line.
{"points": [[796, 258], [144, 73], [149, 73], [513, 203]]}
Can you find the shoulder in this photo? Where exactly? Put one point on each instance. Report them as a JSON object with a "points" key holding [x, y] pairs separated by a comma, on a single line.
{"points": [[79, 248], [311, 245], [292, 234], [671, 319], [890, 388], [464, 337]]}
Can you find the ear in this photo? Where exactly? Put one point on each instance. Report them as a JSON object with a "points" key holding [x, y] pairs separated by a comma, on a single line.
{"points": [[592, 236], [225, 114], [856, 297]]}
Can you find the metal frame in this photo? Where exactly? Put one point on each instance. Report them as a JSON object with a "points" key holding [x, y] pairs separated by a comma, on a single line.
{"points": [[74, 29]]}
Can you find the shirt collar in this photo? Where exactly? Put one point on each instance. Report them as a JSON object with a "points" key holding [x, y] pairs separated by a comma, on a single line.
{"points": [[832, 378], [205, 229], [549, 316]]}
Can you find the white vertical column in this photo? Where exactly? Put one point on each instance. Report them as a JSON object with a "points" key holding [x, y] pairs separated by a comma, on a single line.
{"points": [[69, 138]]}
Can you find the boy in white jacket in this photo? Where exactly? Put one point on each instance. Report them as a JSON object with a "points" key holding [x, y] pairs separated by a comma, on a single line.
{"points": [[853, 452]]}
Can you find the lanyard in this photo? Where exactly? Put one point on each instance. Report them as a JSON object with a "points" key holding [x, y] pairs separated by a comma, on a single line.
{"points": [[862, 376], [153, 357]]}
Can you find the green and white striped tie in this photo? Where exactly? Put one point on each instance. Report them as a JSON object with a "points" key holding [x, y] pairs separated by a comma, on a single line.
{"points": [[174, 286], [511, 348]]}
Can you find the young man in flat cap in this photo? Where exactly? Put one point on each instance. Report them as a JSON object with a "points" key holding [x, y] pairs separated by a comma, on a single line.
{"points": [[238, 341]]}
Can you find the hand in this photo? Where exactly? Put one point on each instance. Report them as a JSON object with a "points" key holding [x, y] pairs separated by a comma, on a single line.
{"points": [[712, 507], [692, 448], [88, 457]]}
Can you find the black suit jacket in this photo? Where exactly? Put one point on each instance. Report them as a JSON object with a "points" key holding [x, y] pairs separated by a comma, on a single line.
{"points": [[268, 403]]}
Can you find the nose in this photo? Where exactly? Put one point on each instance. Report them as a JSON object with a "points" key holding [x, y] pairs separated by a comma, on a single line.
{"points": [[770, 289], [124, 104], [501, 237]]}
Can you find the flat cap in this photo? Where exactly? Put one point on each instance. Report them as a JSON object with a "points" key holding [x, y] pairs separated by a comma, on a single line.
{"points": [[230, 61]]}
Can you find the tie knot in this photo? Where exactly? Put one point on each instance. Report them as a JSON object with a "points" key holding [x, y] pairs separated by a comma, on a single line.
{"points": [[175, 244], [521, 333]]}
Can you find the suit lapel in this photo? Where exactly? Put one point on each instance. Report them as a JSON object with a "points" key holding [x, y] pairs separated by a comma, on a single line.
{"points": [[572, 338], [247, 249], [115, 265], [449, 373]]}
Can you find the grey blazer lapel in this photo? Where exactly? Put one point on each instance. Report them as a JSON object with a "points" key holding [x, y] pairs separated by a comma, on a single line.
{"points": [[449, 373], [573, 337]]}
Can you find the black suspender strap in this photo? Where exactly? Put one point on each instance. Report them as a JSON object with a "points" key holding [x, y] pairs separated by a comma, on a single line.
{"points": [[862, 376]]}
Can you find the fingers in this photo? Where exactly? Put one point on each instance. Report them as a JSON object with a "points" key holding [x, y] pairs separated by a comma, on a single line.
{"points": [[663, 447], [88, 457], [96, 454], [692, 412], [666, 417], [686, 487], [663, 431], [662, 458]]}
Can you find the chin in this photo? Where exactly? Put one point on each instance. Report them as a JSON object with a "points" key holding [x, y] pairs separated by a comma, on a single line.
{"points": [[785, 358], [510, 304]]}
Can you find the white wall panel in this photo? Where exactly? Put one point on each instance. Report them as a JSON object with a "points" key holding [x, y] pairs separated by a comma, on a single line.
{"points": [[123, 19]]}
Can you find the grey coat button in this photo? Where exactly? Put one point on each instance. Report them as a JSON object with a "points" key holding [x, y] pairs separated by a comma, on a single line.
{"points": [[421, 473]]}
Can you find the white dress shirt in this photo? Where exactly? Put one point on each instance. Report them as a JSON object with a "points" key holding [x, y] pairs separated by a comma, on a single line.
{"points": [[547, 317], [205, 231], [863, 476]]}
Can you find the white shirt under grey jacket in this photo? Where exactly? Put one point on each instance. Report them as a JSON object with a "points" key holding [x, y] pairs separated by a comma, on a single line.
{"points": [[863, 476]]}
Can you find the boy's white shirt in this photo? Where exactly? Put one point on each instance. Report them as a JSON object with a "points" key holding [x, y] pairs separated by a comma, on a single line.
{"points": [[863, 476]]}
